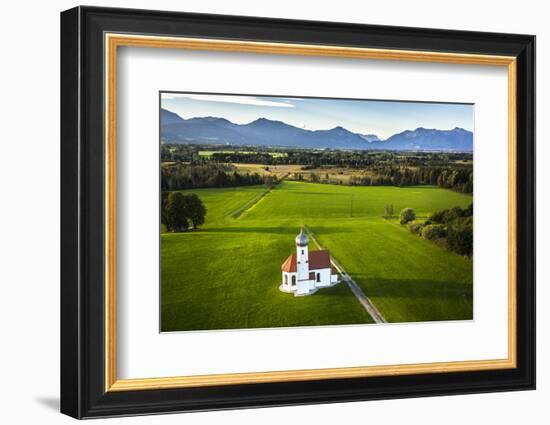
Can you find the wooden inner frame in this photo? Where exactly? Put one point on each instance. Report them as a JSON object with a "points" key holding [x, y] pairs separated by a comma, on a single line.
{"points": [[111, 43]]}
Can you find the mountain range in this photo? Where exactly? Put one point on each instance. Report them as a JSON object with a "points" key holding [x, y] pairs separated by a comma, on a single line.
{"points": [[265, 132]]}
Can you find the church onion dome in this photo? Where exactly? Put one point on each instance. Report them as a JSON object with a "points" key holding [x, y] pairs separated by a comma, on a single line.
{"points": [[301, 239]]}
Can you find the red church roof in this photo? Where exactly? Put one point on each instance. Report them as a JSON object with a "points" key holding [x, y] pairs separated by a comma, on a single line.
{"points": [[317, 260]]}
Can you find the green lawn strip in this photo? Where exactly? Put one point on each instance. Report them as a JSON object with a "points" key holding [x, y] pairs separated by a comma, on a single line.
{"points": [[221, 202], [309, 200], [228, 278], [406, 277], [241, 210], [226, 274]]}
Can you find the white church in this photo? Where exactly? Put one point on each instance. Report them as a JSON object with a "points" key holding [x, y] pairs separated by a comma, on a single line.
{"points": [[305, 272]]}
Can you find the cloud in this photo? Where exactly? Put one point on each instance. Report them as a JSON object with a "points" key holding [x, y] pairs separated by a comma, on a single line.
{"points": [[241, 100]]}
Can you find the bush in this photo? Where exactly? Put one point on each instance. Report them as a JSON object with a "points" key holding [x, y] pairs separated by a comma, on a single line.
{"points": [[406, 215], [437, 216], [461, 237], [433, 231], [416, 228], [452, 214], [448, 216], [456, 224]]}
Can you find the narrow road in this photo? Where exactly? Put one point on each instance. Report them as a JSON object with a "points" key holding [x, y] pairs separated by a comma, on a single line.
{"points": [[355, 288], [241, 210]]}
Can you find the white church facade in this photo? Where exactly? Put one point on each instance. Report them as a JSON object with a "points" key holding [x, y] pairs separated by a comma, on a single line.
{"points": [[304, 272]]}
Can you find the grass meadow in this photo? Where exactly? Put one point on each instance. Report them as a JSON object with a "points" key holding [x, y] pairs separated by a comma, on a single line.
{"points": [[226, 274]]}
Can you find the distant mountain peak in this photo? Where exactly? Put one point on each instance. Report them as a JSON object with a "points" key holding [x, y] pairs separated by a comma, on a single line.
{"points": [[370, 138], [431, 139], [209, 119], [336, 130], [266, 132], [266, 121], [169, 117]]}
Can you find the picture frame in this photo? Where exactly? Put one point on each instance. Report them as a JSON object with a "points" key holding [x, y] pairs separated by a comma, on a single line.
{"points": [[90, 40]]}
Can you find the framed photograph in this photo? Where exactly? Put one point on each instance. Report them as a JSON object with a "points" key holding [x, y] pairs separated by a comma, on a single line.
{"points": [[261, 212]]}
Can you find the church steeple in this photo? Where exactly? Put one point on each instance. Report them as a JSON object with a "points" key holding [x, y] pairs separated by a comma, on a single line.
{"points": [[305, 274], [302, 256], [301, 239]]}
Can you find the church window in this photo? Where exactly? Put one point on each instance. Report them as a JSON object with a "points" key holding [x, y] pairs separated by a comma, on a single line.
{"points": [[318, 277], [293, 280], [286, 279]]}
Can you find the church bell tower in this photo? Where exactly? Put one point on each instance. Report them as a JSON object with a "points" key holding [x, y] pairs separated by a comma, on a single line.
{"points": [[302, 256]]}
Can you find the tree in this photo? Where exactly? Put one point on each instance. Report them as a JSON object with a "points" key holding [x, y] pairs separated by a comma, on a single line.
{"points": [[452, 214], [416, 228], [195, 210], [438, 216], [175, 213], [406, 215], [163, 214], [221, 179], [433, 231], [461, 238], [270, 179]]}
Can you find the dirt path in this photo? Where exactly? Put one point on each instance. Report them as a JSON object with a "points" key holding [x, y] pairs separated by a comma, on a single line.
{"points": [[355, 288], [241, 210]]}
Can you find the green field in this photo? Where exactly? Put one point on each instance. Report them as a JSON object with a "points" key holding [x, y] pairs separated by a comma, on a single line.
{"points": [[226, 275]]}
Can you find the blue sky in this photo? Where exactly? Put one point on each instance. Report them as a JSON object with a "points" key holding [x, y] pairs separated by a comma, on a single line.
{"points": [[383, 118]]}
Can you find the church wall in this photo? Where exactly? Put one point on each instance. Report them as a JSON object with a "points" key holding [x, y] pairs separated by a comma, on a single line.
{"points": [[305, 287], [325, 278], [289, 287]]}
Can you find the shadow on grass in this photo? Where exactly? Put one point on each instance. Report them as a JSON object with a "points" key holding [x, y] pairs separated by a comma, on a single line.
{"points": [[334, 194], [333, 293], [414, 288], [285, 230]]}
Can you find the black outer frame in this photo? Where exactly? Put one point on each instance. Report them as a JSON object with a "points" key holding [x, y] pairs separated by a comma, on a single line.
{"points": [[82, 206]]}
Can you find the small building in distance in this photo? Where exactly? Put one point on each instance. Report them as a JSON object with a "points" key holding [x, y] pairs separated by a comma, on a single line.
{"points": [[304, 272]]}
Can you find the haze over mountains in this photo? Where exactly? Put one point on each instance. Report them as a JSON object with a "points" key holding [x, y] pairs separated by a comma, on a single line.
{"points": [[265, 132]]}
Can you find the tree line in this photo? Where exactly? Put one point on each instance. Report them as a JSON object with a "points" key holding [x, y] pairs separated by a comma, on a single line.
{"points": [[457, 179], [452, 227], [344, 158], [450, 170], [312, 158], [208, 174]]}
